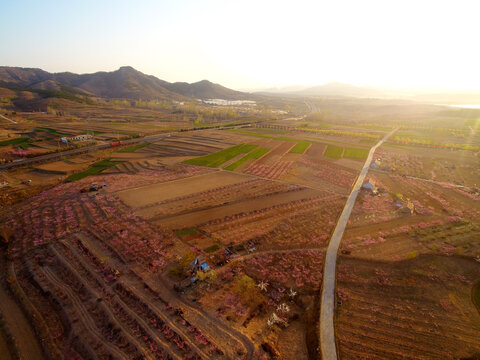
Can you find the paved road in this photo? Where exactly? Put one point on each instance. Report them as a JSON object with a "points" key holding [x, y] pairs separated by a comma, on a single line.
{"points": [[12, 121], [58, 155], [326, 325], [47, 157]]}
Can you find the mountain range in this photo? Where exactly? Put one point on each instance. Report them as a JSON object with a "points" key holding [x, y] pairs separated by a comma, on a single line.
{"points": [[336, 89], [125, 82], [128, 83]]}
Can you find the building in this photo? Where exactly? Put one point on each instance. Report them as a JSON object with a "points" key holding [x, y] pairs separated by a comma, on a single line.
{"points": [[82, 137], [199, 264], [370, 186], [376, 164]]}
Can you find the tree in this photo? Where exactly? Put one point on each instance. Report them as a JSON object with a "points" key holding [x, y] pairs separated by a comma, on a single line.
{"points": [[247, 289]]}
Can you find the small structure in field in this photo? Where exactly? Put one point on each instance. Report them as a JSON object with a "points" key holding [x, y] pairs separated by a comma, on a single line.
{"points": [[376, 164], [199, 264], [407, 208], [370, 186], [82, 137]]}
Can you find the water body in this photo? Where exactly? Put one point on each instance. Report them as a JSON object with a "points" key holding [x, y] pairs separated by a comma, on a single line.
{"points": [[463, 106]]}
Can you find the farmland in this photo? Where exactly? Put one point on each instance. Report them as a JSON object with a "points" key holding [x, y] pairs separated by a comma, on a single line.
{"points": [[120, 272], [95, 168], [414, 268], [133, 235]]}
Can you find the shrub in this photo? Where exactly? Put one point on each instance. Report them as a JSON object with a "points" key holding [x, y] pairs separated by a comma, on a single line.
{"points": [[212, 248]]}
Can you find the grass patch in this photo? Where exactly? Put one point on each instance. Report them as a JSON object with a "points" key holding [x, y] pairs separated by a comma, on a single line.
{"points": [[255, 154], [50, 131], [16, 141], [222, 156], [334, 152], [187, 232], [356, 153], [133, 148], [212, 248], [265, 136], [26, 145], [277, 131], [412, 254], [301, 146], [94, 169]]}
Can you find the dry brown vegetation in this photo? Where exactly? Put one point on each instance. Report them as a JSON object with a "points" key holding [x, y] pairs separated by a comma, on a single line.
{"points": [[108, 273]]}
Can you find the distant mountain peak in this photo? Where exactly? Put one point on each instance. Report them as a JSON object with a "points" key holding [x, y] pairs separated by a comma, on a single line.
{"points": [[126, 82], [127, 68]]}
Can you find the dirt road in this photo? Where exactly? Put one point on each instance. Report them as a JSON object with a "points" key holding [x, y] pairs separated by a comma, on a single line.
{"points": [[12, 121], [326, 325]]}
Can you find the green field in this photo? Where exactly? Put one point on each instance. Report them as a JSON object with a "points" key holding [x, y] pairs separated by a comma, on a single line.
{"points": [[334, 152], [16, 141], [212, 248], [222, 156], [301, 146], [266, 130], [94, 169], [255, 154], [133, 148], [187, 232], [355, 153], [265, 136], [50, 131]]}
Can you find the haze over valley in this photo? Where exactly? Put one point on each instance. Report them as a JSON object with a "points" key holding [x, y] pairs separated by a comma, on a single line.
{"points": [[209, 180]]}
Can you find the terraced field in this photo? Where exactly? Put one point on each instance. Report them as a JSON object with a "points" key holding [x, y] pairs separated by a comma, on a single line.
{"points": [[86, 291]]}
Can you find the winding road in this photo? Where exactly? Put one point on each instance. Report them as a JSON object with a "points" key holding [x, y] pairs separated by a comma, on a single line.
{"points": [[12, 121], [326, 324]]}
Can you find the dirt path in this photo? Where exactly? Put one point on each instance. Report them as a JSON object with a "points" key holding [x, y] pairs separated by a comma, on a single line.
{"points": [[148, 355], [12, 121], [210, 325], [327, 307], [84, 315], [441, 183], [4, 350], [117, 299], [131, 283], [20, 328]]}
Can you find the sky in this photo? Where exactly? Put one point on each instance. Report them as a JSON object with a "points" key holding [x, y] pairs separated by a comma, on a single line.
{"points": [[252, 44]]}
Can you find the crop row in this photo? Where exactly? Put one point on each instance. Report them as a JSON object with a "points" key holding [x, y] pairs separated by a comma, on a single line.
{"points": [[274, 171], [306, 221], [252, 189]]}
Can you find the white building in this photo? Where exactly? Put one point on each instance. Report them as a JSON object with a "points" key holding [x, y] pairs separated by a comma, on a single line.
{"points": [[81, 137]]}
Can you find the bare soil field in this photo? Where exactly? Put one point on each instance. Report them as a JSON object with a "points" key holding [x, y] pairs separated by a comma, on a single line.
{"points": [[65, 274], [405, 276], [413, 309], [146, 195], [112, 274], [456, 167], [203, 216], [276, 153]]}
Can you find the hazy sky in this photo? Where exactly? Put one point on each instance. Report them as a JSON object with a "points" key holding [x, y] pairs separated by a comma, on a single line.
{"points": [[251, 44]]}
